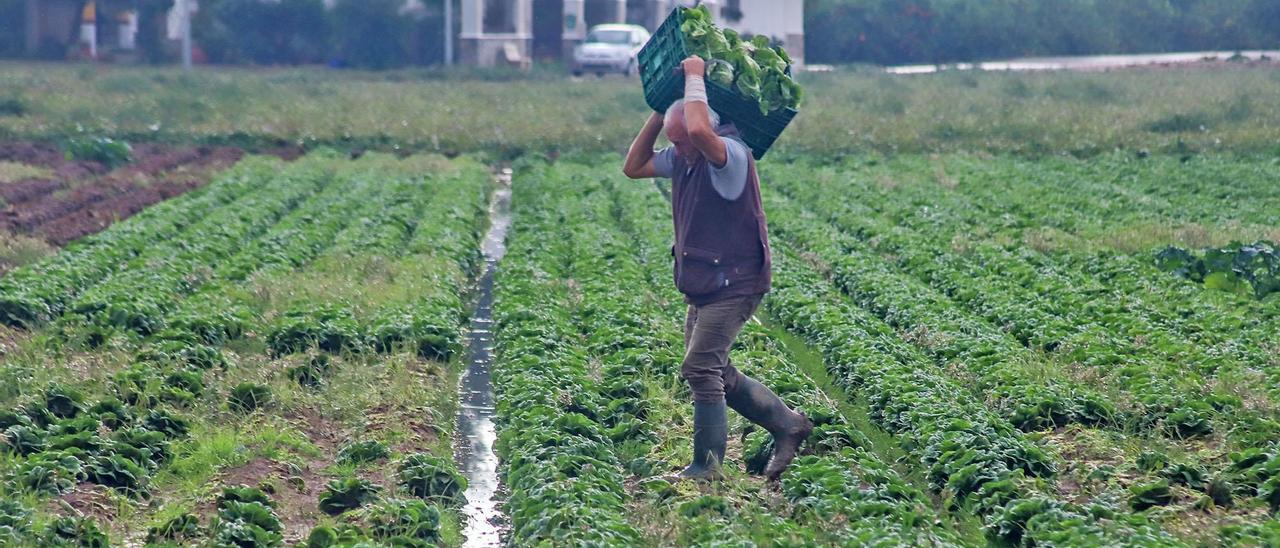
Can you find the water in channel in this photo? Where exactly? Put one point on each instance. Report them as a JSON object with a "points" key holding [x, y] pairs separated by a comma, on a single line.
{"points": [[476, 433]]}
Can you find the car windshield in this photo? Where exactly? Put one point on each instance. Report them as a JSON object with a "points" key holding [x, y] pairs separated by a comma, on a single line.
{"points": [[609, 37]]}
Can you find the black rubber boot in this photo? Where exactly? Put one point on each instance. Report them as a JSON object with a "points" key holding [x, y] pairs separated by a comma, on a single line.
{"points": [[710, 434], [758, 404]]}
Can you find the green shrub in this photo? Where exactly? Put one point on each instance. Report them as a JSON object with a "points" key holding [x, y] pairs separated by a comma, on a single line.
{"points": [[246, 524], [63, 402], [244, 493], [15, 522], [313, 372], [119, 473], [756, 451], [49, 473], [341, 495], [363, 452], [13, 106], [178, 529], [413, 519], [432, 478], [112, 413], [1192, 476], [11, 418], [247, 396], [329, 328], [1146, 495], [24, 440], [187, 380], [104, 150], [79, 532]]}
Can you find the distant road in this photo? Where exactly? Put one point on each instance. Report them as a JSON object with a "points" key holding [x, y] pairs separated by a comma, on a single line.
{"points": [[1086, 63]]}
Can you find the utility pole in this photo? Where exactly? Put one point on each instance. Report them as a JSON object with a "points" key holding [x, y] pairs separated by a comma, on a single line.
{"points": [[184, 13], [448, 33]]}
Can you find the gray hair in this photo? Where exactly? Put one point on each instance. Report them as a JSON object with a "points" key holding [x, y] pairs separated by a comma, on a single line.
{"points": [[679, 105]]}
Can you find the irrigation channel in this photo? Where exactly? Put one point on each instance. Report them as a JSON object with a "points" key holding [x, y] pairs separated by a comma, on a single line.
{"points": [[476, 432]]}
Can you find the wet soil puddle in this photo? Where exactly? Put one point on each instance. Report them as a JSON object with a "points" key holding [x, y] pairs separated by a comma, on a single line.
{"points": [[476, 432]]}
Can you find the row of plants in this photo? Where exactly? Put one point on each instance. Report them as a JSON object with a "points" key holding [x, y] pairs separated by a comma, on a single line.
{"points": [[212, 315], [997, 363], [564, 475], [59, 439], [136, 299], [432, 221], [1050, 313], [35, 294], [1161, 388], [1252, 269], [167, 378], [936, 327], [409, 514], [1212, 332], [974, 458], [1061, 209]]}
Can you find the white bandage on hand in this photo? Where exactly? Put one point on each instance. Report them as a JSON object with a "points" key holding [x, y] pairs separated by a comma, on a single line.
{"points": [[695, 89]]}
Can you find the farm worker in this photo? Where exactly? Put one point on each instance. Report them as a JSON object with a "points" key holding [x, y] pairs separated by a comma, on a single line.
{"points": [[722, 266]]}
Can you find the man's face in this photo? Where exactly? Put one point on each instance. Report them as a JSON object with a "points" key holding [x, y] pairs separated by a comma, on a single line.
{"points": [[680, 138]]}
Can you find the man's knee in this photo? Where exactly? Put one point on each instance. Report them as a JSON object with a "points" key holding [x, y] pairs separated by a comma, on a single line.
{"points": [[704, 373]]}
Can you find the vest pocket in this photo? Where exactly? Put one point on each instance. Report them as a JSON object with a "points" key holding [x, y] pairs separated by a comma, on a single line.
{"points": [[699, 271]]}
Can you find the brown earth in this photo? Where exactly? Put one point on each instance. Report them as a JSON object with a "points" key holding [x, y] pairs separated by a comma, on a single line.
{"points": [[87, 500], [82, 198]]}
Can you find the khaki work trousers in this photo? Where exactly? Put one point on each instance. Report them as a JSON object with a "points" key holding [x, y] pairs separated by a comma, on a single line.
{"points": [[709, 331]]}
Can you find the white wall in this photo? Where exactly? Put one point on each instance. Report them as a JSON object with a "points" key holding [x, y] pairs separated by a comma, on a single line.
{"points": [[778, 18]]}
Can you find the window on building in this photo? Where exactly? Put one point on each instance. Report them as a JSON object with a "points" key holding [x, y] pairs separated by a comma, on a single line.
{"points": [[732, 11], [500, 16]]}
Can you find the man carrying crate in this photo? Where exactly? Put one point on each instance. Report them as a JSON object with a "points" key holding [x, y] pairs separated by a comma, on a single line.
{"points": [[722, 266]]}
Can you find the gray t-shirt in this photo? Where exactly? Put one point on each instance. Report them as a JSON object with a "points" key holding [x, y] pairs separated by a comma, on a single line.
{"points": [[729, 181]]}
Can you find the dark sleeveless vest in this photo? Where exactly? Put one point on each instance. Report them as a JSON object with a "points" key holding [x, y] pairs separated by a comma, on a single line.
{"points": [[722, 246]]}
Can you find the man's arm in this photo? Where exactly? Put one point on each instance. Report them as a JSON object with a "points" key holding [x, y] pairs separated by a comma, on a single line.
{"points": [[697, 118], [639, 163]]}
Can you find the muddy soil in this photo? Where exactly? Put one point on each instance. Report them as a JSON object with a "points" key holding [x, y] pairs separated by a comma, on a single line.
{"points": [[82, 198]]}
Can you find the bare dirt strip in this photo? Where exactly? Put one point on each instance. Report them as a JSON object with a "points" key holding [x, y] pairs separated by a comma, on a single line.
{"points": [[81, 198]]}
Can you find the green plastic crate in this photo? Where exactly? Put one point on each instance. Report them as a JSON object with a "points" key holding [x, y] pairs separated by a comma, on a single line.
{"points": [[664, 83]]}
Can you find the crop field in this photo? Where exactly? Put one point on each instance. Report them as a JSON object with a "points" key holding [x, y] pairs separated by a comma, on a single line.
{"points": [[1054, 331]]}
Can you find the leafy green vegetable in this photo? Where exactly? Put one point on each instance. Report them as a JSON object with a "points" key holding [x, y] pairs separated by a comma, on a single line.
{"points": [[431, 477], [247, 396], [341, 495], [412, 519], [184, 527], [1146, 495], [246, 524], [244, 493], [756, 69], [104, 150], [362, 452], [1237, 268], [72, 531]]}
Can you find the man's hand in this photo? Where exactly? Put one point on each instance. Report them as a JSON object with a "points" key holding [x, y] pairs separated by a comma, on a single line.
{"points": [[694, 65]]}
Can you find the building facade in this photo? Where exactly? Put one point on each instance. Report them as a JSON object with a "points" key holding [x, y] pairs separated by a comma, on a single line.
{"points": [[497, 32]]}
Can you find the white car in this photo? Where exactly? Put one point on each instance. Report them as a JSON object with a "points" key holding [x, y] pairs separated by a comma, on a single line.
{"points": [[610, 48]]}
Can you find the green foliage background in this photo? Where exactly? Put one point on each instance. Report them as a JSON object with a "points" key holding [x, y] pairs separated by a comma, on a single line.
{"points": [[374, 34], [926, 31]]}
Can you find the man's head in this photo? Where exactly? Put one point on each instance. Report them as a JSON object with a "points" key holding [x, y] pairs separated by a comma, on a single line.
{"points": [[673, 122]]}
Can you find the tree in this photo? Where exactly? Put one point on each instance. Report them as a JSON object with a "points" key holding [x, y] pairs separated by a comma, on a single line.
{"points": [[152, 18], [263, 32], [371, 33]]}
